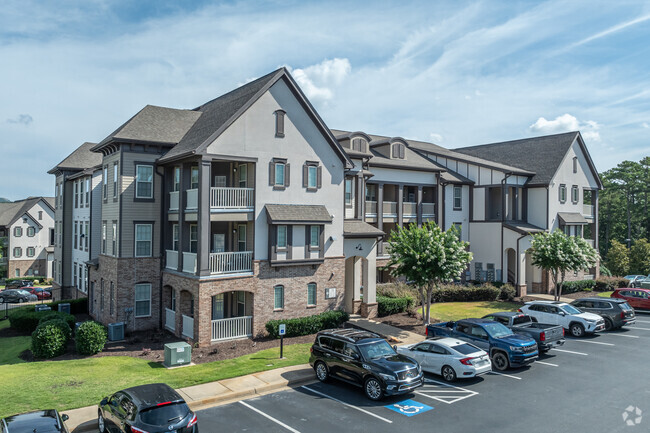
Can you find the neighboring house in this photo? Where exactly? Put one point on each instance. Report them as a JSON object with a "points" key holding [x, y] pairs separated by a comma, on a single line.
{"points": [[26, 229], [210, 222], [76, 226]]}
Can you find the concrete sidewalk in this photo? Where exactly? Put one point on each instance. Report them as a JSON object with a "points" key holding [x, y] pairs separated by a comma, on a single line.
{"points": [[543, 297], [211, 394], [391, 333]]}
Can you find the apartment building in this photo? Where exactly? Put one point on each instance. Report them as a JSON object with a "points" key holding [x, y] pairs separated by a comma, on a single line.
{"points": [[26, 236], [209, 222]]}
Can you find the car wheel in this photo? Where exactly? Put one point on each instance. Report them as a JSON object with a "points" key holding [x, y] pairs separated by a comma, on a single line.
{"points": [[2, 300], [608, 325], [373, 389], [321, 372], [577, 330], [448, 373], [21, 300], [101, 424], [500, 361]]}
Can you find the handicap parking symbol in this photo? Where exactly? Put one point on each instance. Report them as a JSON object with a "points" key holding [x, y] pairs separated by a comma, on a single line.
{"points": [[409, 407]]}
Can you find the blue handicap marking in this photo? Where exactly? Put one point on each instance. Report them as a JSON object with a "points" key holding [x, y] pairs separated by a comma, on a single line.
{"points": [[409, 407]]}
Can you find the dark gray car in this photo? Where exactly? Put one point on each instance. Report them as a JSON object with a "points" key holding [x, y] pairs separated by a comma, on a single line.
{"points": [[16, 295], [616, 312]]}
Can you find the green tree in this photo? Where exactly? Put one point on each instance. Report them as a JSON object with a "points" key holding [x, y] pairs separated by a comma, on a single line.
{"points": [[427, 257], [558, 253], [640, 257], [618, 259]]}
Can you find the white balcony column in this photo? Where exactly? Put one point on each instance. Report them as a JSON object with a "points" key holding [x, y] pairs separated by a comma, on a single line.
{"points": [[380, 215], [419, 206], [203, 218], [400, 205]]}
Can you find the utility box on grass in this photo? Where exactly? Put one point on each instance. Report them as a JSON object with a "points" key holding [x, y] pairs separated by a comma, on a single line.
{"points": [[176, 354]]}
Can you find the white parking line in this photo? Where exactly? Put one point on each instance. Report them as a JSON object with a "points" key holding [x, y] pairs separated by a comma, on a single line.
{"points": [[643, 321], [643, 329], [270, 417], [594, 342], [441, 391], [623, 335], [345, 404], [570, 351], [503, 374], [546, 363]]}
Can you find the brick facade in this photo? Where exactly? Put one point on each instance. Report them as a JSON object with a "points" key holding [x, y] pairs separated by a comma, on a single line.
{"points": [[260, 294], [37, 266], [124, 274]]}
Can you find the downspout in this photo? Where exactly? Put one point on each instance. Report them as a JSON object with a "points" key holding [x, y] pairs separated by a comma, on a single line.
{"points": [[503, 217], [160, 246], [442, 203], [518, 263]]}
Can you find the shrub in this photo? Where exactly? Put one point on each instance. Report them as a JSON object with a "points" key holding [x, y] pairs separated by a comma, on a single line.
{"points": [[607, 284], [604, 271], [578, 286], [454, 293], [90, 338], [387, 306], [55, 315], [396, 290], [508, 292], [25, 319], [307, 325], [50, 339], [77, 306]]}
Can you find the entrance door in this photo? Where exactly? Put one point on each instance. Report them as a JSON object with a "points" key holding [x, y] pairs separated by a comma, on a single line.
{"points": [[217, 307], [218, 242], [241, 237]]}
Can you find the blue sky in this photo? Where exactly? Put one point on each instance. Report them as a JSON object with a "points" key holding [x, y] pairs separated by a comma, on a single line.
{"points": [[454, 73]]}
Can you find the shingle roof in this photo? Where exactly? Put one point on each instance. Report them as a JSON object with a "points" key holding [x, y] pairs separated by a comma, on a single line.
{"points": [[572, 218], [10, 212], [80, 159], [543, 155], [154, 124], [360, 229], [522, 227], [294, 213]]}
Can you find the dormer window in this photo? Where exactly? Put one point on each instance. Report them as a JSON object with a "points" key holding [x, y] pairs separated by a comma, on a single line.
{"points": [[359, 144], [279, 123], [398, 151]]}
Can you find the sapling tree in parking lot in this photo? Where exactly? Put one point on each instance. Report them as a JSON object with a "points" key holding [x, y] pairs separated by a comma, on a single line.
{"points": [[559, 253], [427, 257]]}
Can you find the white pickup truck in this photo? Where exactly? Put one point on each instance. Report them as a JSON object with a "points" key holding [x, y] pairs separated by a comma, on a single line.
{"points": [[561, 313]]}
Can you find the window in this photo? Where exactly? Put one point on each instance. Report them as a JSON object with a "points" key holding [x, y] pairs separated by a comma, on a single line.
{"points": [[575, 195], [177, 179], [314, 237], [278, 297], [114, 240], [105, 182], [111, 305], [87, 192], [575, 164], [194, 238], [458, 197], [279, 173], [311, 294], [76, 234], [348, 192], [52, 237], [279, 123], [311, 175], [143, 240], [76, 194], [17, 273], [241, 304], [31, 232], [115, 177], [144, 181], [18, 232], [194, 177], [82, 192], [40, 215], [86, 235], [74, 277], [282, 237], [101, 295], [241, 237], [398, 151], [30, 272], [359, 144], [31, 251], [371, 192], [174, 237], [18, 252], [243, 175], [562, 192], [81, 278], [142, 300]]}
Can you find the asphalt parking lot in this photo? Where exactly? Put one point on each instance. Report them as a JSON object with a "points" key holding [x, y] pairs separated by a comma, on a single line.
{"points": [[595, 384]]}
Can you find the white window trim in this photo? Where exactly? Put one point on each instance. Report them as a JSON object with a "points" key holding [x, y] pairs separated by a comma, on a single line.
{"points": [[135, 244], [275, 307], [137, 168], [284, 167], [136, 301], [460, 197]]}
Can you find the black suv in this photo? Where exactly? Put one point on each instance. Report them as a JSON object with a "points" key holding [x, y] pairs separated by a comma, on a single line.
{"points": [[42, 421], [616, 312], [364, 359], [146, 408], [17, 284]]}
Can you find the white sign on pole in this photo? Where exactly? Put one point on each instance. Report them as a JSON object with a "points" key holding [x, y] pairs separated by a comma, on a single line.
{"points": [[282, 329]]}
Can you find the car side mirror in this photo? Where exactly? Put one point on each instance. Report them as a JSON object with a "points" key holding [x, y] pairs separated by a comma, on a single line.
{"points": [[65, 417], [395, 347], [562, 313], [103, 402]]}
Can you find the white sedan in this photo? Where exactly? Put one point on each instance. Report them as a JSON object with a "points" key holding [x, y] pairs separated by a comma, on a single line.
{"points": [[448, 357]]}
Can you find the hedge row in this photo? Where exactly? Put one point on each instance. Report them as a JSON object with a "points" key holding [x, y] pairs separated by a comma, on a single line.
{"points": [[42, 280], [25, 319], [307, 325], [601, 284], [77, 306], [387, 305], [454, 293], [578, 286]]}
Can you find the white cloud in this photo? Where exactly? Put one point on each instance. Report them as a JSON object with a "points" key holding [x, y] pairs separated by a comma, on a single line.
{"points": [[317, 80], [645, 125], [24, 119], [565, 123], [436, 138]]}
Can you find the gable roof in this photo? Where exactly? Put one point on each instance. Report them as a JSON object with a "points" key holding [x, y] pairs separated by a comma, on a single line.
{"points": [[297, 213], [80, 159], [217, 115], [11, 211], [543, 155]]}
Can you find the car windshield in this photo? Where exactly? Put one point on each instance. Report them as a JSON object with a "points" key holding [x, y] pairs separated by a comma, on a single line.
{"points": [[375, 350], [23, 292], [569, 309], [497, 330], [466, 349], [164, 415]]}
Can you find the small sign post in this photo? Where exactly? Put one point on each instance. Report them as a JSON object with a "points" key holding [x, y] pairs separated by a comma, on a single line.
{"points": [[282, 329]]}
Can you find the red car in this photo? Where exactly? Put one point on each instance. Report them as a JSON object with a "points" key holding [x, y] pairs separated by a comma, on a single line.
{"points": [[639, 299], [40, 293]]}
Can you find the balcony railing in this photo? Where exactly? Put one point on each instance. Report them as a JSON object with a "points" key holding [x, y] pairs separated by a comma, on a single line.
{"points": [[173, 200], [170, 319], [590, 242], [371, 207], [192, 199], [409, 209], [236, 327], [588, 210], [189, 262], [232, 198], [172, 259], [228, 263], [188, 326], [428, 209], [390, 208]]}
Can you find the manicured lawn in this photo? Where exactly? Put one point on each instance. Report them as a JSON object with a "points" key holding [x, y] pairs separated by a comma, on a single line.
{"points": [[77, 383], [605, 294], [11, 347], [446, 311]]}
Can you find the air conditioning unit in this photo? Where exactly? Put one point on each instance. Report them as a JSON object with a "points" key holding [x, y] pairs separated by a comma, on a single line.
{"points": [[42, 307], [64, 308], [177, 354], [116, 331]]}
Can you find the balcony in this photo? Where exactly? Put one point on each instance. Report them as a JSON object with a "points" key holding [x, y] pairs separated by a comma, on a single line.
{"points": [[409, 209], [173, 200], [170, 319], [172, 259], [230, 263], [188, 326], [192, 199], [428, 210], [390, 209], [229, 199], [588, 210], [189, 262], [236, 327], [371, 207]]}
